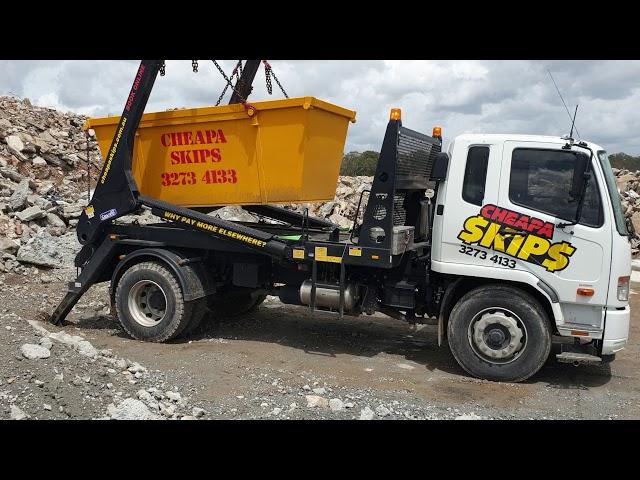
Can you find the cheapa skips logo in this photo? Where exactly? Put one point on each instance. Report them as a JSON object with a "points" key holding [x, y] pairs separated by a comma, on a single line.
{"points": [[517, 235]]}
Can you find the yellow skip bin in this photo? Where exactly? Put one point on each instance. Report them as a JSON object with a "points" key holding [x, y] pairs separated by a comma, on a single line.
{"points": [[285, 151]]}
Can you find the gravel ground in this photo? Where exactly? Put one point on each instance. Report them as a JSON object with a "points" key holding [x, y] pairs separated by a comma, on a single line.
{"points": [[277, 363]]}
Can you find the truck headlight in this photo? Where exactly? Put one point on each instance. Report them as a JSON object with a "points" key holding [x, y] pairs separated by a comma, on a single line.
{"points": [[623, 289]]}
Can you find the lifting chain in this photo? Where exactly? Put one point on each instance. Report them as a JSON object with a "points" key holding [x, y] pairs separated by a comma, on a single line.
{"points": [[229, 84], [236, 71], [162, 69], [268, 72], [194, 65]]}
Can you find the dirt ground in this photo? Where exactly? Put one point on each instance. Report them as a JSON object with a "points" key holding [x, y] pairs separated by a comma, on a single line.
{"points": [[265, 365]]}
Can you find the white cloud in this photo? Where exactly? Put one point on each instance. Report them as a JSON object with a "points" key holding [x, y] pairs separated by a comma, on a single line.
{"points": [[460, 95]]}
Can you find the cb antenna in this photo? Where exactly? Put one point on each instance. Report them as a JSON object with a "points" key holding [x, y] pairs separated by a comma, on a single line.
{"points": [[573, 120]]}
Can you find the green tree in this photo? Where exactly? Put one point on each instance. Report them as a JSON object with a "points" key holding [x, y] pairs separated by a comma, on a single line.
{"points": [[359, 163], [622, 160]]}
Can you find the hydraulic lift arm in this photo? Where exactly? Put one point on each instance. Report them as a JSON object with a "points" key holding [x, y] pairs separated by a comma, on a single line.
{"points": [[117, 194]]}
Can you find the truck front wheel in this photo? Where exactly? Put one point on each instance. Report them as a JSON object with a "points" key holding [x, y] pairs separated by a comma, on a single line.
{"points": [[500, 333], [150, 303]]}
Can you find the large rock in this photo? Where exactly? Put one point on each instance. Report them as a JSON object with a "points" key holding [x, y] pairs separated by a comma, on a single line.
{"points": [[15, 145], [34, 352], [48, 251], [19, 196], [85, 348], [366, 413], [635, 218], [31, 213], [315, 401], [234, 214], [54, 220], [82, 346], [131, 409], [17, 413], [623, 180], [336, 405], [8, 246]]}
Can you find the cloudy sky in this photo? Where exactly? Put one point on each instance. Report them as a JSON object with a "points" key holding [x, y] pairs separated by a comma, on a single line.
{"points": [[461, 96]]}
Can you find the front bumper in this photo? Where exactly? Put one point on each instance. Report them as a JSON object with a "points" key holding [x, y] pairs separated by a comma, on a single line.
{"points": [[616, 331]]}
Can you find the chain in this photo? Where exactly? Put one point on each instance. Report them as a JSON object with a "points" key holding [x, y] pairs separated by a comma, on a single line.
{"points": [[229, 84], [268, 71], [162, 69], [267, 74], [194, 65], [235, 72]]}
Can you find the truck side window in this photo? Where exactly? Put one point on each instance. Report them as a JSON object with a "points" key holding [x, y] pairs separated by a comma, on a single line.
{"points": [[475, 175], [541, 180]]}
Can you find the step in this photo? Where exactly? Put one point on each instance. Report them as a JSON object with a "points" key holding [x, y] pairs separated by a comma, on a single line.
{"points": [[573, 357]]}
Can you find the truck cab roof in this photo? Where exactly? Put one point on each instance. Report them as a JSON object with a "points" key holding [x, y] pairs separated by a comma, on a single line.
{"points": [[493, 138]]}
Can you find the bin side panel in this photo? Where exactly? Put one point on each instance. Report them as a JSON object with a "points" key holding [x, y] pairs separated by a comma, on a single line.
{"points": [[281, 153], [324, 140]]}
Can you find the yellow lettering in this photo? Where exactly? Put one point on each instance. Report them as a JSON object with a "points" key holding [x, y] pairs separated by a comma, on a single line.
{"points": [[514, 245], [492, 239], [559, 254], [473, 229], [533, 245]]}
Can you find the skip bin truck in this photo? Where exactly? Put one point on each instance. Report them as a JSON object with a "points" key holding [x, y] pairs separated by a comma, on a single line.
{"points": [[522, 241]]}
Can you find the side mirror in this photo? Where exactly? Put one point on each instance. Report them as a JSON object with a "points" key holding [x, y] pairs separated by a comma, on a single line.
{"points": [[440, 166], [580, 176]]}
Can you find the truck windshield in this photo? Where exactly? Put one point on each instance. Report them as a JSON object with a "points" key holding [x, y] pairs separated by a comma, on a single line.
{"points": [[613, 192]]}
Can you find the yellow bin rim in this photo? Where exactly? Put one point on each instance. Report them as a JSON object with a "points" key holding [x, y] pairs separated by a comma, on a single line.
{"points": [[184, 113]]}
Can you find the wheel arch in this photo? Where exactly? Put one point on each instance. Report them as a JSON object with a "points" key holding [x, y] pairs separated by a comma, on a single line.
{"points": [[190, 271], [456, 289]]}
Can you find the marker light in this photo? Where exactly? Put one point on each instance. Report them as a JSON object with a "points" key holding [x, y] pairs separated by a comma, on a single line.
{"points": [[437, 132], [585, 292], [396, 114], [623, 289]]}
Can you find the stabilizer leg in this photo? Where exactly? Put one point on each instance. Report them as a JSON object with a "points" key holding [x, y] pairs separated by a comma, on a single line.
{"points": [[89, 275]]}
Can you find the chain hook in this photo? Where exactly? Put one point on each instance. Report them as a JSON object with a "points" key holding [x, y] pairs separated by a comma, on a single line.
{"points": [[194, 65], [162, 69]]}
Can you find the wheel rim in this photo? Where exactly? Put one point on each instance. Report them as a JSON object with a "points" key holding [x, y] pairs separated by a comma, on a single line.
{"points": [[147, 303], [497, 335]]}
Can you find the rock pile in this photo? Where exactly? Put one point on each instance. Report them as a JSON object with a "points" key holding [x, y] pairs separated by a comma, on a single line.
{"points": [[628, 184], [43, 184], [342, 208]]}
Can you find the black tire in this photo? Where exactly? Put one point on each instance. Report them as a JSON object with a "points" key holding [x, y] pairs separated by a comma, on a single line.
{"points": [[234, 304], [200, 313], [175, 314], [483, 313]]}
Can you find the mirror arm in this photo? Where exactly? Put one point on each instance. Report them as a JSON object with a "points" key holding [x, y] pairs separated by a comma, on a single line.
{"points": [[587, 176]]}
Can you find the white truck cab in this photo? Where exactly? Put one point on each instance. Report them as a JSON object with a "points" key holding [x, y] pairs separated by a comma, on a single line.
{"points": [[542, 213]]}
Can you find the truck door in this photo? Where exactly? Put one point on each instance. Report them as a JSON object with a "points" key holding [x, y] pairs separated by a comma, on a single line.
{"points": [[534, 197], [465, 195]]}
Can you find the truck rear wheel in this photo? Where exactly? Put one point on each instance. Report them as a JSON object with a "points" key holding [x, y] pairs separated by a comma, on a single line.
{"points": [[235, 304], [220, 307], [150, 303], [500, 333]]}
